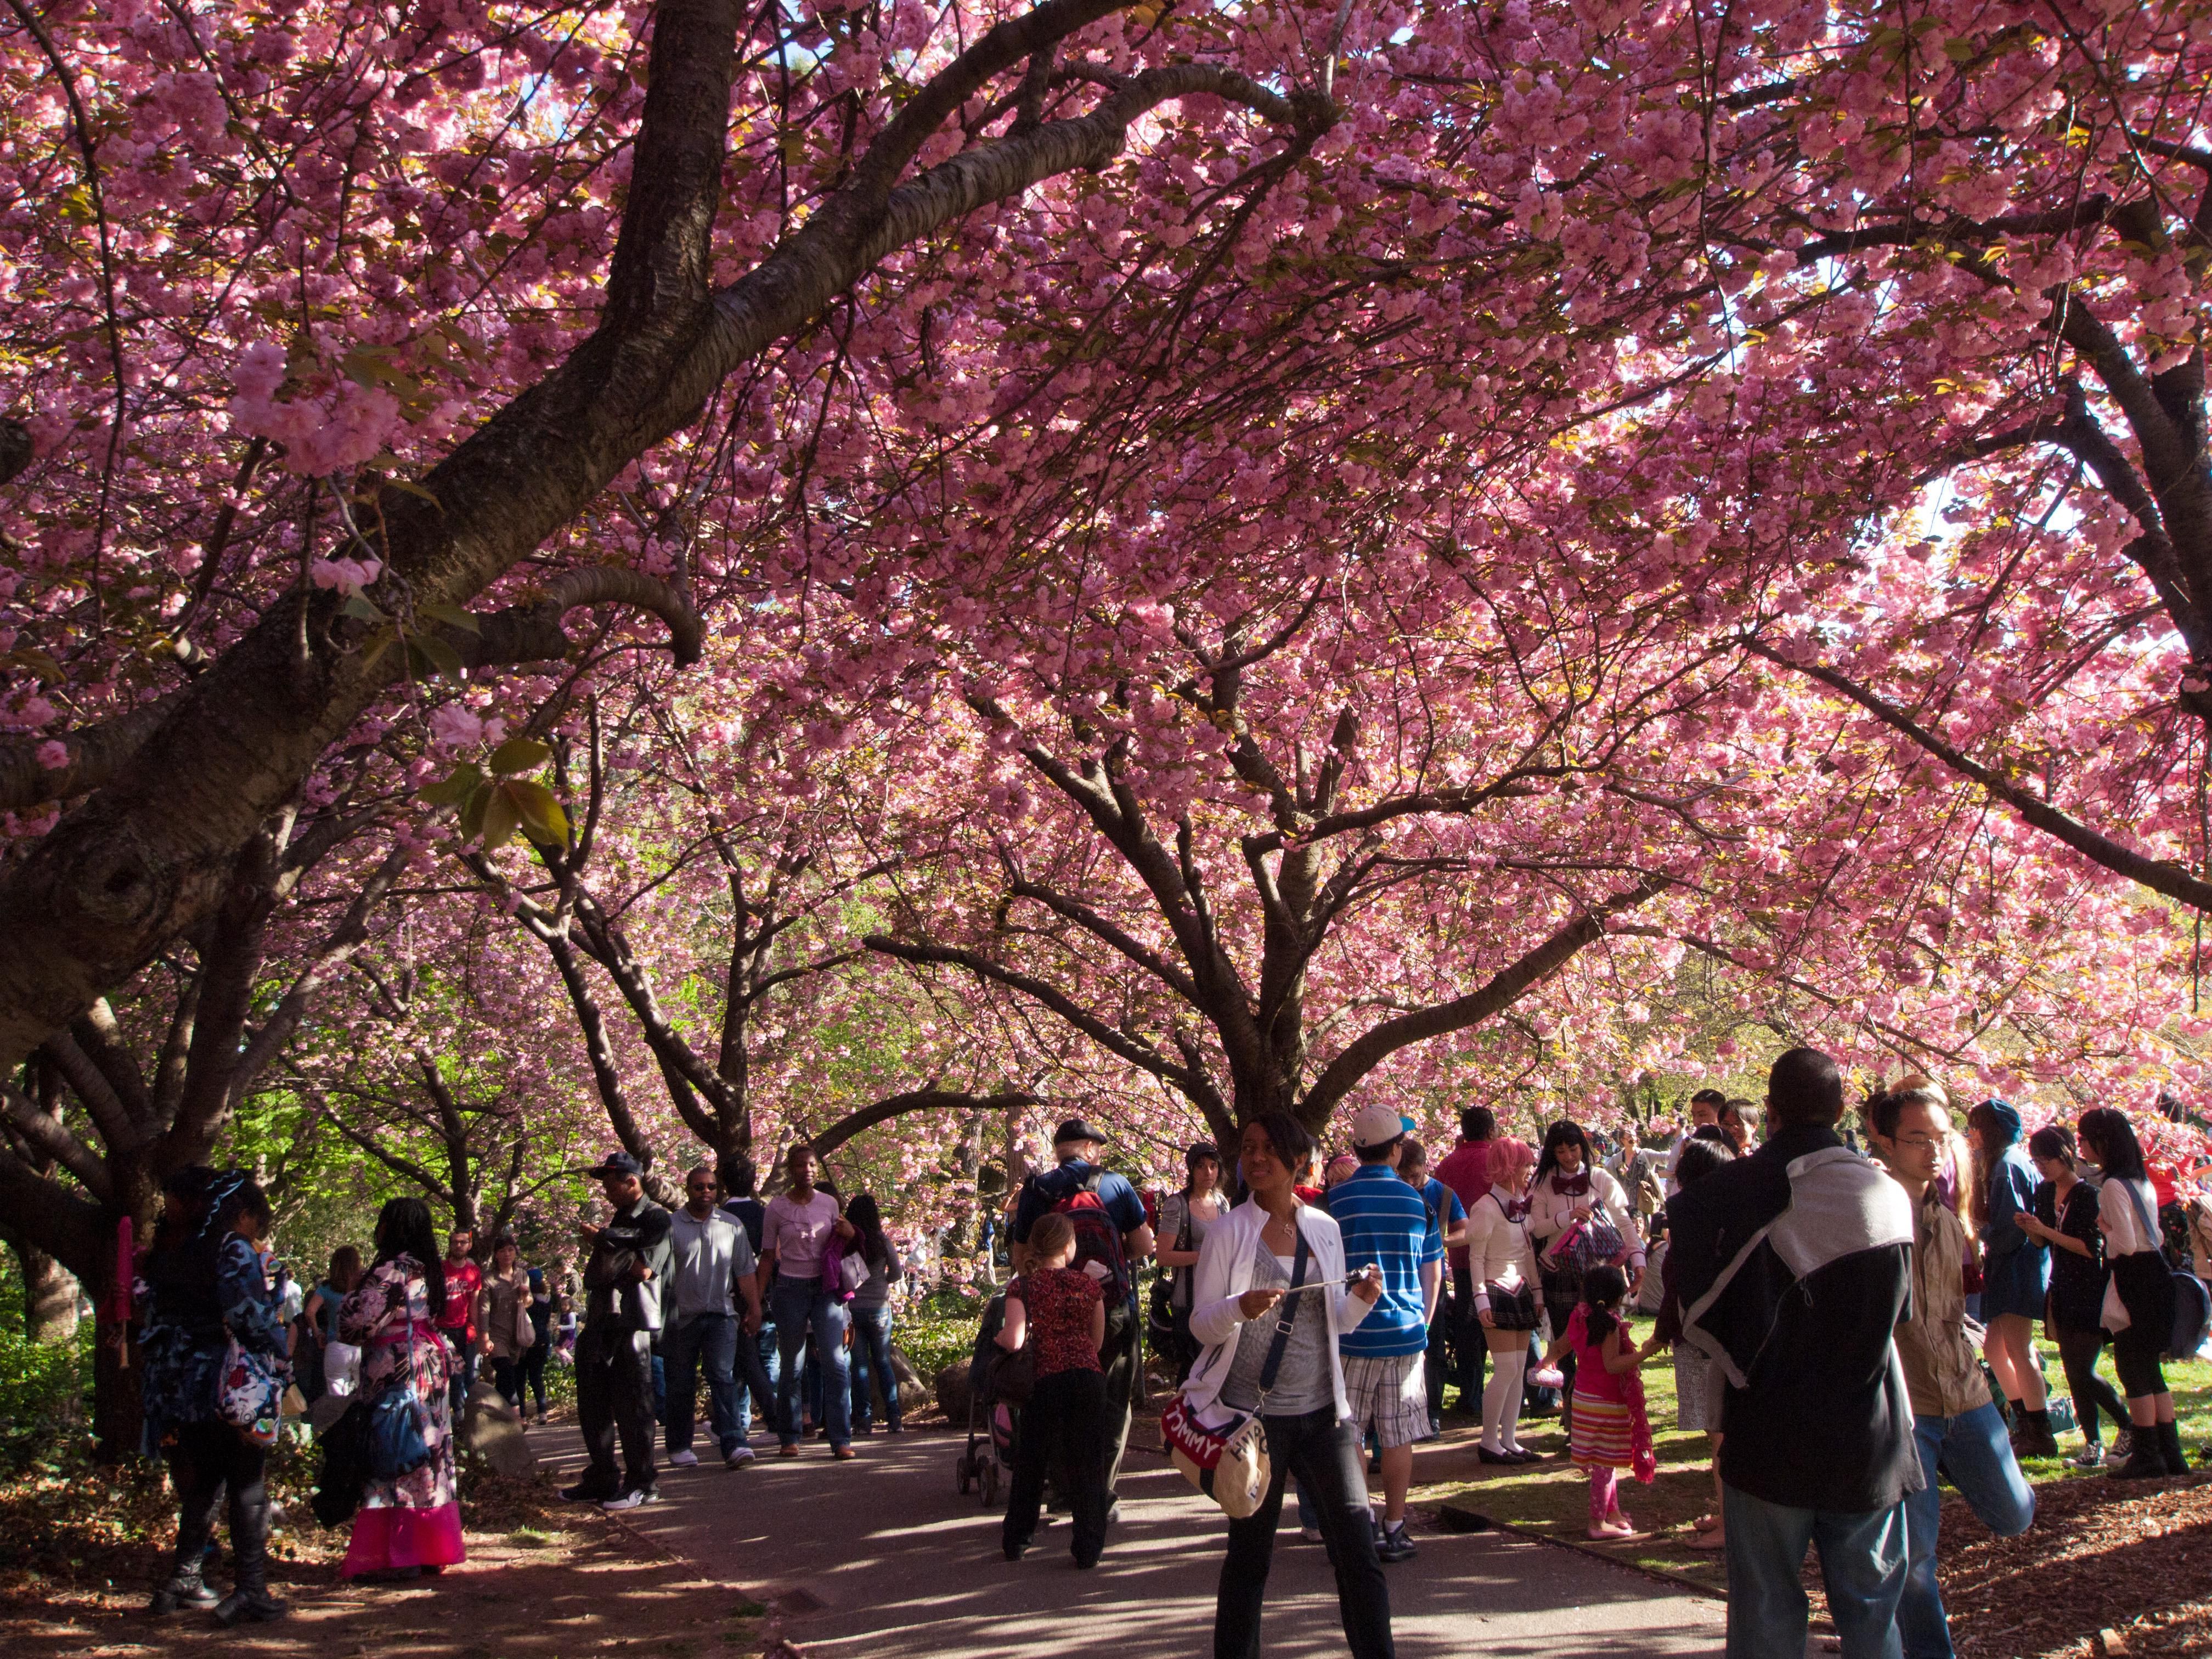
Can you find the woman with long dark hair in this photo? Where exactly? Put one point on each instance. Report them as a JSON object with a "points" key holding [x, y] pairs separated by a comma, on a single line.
{"points": [[1251, 1259], [1569, 1190], [2065, 1219], [411, 1524], [2141, 1323], [204, 1287], [871, 1314], [2015, 1271], [1185, 1216]]}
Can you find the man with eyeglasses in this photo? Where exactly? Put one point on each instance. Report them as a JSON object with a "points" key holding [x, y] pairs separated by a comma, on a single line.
{"points": [[1954, 1422]]}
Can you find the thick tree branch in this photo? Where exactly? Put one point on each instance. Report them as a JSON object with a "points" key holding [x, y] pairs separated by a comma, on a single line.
{"points": [[914, 1100], [2156, 874], [1504, 989]]}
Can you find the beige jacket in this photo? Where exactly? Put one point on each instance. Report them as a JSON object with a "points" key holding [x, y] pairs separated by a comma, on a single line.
{"points": [[503, 1314], [1942, 1372]]}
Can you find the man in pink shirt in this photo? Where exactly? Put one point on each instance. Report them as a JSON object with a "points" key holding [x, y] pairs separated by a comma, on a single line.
{"points": [[1466, 1170]]}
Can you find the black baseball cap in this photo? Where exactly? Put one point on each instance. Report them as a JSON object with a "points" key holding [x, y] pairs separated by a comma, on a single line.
{"points": [[1076, 1129], [617, 1163]]}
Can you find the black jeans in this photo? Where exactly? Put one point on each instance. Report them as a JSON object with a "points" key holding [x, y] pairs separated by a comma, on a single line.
{"points": [[614, 1399], [1324, 1454], [532, 1365], [2077, 1353], [206, 1459], [1120, 1357], [1472, 1351], [1063, 1428]]}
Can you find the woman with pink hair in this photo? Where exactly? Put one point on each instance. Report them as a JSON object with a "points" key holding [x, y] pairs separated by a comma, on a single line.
{"points": [[1502, 1267]]}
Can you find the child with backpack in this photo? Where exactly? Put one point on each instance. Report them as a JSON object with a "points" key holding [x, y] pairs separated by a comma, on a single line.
{"points": [[1060, 1315], [1610, 1431]]}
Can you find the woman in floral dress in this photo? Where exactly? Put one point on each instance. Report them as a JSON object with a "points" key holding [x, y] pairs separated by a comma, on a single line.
{"points": [[413, 1524], [203, 1287]]}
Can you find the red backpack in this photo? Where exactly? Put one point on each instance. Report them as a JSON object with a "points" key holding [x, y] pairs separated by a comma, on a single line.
{"points": [[1097, 1239]]}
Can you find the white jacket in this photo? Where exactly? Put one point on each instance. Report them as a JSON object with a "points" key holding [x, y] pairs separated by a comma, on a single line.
{"points": [[1226, 1263], [1497, 1249], [1548, 1212]]}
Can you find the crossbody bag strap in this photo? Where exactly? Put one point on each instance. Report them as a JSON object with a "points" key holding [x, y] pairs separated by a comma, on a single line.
{"points": [[2150, 1227], [1290, 1317]]}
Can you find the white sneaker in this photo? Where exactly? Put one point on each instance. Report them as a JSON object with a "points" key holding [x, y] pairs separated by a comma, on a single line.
{"points": [[686, 1459], [739, 1458], [1311, 1534]]}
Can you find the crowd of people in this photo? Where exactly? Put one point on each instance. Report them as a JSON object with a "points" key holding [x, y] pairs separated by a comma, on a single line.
{"points": [[1835, 1321]]}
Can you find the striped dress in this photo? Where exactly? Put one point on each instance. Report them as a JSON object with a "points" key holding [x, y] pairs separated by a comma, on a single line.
{"points": [[1608, 1409]]}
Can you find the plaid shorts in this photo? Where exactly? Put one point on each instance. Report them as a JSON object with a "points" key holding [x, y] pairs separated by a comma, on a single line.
{"points": [[1390, 1392]]}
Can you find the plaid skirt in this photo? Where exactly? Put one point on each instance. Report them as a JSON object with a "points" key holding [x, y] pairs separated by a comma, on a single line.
{"points": [[1601, 1434]]}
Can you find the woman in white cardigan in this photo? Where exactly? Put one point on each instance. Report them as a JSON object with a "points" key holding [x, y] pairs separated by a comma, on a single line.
{"points": [[1503, 1264], [1570, 1187], [1248, 1259]]}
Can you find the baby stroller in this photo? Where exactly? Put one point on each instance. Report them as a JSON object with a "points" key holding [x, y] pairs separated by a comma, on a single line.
{"points": [[991, 1422]]}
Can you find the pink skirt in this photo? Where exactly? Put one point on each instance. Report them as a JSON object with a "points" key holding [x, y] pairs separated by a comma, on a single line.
{"points": [[387, 1539]]}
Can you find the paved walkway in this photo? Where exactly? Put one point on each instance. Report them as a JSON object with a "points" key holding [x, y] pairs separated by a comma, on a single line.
{"points": [[881, 1559]]}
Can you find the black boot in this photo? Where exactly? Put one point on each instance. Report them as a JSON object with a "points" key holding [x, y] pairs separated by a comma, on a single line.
{"points": [[249, 1601], [185, 1588], [2146, 1458], [2169, 1448], [2034, 1438]]}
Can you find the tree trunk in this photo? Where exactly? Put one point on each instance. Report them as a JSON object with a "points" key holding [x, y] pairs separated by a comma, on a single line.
{"points": [[50, 1295]]}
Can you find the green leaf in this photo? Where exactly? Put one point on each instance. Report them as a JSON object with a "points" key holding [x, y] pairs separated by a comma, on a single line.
{"points": [[429, 655], [412, 488], [360, 609], [454, 789], [373, 647], [472, 813], [518, 755], [500, 815], [540, 815], [451, 615]]}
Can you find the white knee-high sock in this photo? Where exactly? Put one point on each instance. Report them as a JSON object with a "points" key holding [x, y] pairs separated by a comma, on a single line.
{"points": [[1511, 1369]]}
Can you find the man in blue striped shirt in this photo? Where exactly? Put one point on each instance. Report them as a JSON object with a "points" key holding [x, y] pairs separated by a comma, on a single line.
{"points": [[1385, 1221]]}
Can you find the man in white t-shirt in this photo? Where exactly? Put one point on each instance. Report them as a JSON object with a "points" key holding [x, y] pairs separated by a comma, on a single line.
{"points": [[799, 1241]]}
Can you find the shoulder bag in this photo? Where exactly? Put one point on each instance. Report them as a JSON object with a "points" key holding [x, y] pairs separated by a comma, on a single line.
{"points": [[1013, 1371], [398, 1442], [1230, 1464], [1159, 1320]]}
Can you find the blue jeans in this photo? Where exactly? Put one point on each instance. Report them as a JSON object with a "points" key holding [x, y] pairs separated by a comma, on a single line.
{"points": [[872, 1360], [711, 1340], [1862, 1563], [805, 1317], [1978, 1456], [761, 1369]]}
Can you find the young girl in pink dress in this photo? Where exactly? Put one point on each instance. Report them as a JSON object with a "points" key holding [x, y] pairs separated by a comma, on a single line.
{"points": [[1610, 1431]]}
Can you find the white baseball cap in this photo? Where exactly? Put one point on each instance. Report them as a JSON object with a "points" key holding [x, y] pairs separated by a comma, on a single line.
{"points": [[1375, 1125]]}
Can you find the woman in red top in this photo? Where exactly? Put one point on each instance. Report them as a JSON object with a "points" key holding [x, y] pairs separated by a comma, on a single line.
{"points": [[1061, 1313]]}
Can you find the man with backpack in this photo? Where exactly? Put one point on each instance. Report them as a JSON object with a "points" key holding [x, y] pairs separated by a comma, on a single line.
{"points": [[1111, 1237]]}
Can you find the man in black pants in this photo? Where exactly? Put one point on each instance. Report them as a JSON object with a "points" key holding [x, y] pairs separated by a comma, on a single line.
{"points": [[622, 1282]]}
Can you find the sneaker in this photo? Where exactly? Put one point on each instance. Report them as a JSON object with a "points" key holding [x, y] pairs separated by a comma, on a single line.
{"points": [[584, 1492], [1393, 1545], [2091, 1456], [686, 1459], [738, 1457], [1311, 1534], [2122, 1447], [635, 1498]]}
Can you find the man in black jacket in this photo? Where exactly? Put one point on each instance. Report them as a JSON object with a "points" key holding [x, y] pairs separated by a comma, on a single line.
{"points": [[1794, 1265], [622, 1282]]}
